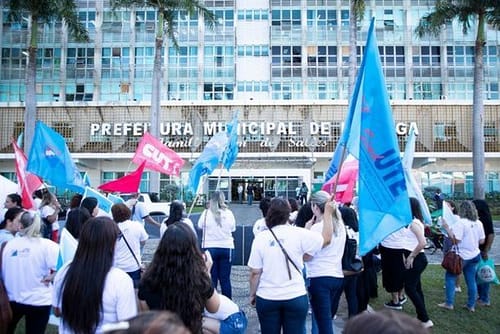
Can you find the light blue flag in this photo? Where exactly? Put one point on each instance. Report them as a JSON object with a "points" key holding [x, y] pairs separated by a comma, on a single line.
{"points": [[50, 159], [208, 160], [86, 180], [384, 205], [411, 184], [102, 201], [232, 149], [115, 199]]}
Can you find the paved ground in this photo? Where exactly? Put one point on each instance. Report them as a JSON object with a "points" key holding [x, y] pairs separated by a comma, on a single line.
{"points": [[246, 215]]}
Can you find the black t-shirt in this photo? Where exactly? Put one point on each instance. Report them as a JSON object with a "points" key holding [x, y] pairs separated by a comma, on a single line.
{"points": [[153, 298]]}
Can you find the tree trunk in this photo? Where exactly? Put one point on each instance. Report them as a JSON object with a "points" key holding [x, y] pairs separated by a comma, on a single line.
{"points": [[478, 114], [30, 114], [154, 182]]}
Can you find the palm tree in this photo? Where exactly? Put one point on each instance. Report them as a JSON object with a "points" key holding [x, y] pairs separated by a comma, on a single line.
{"points": [[166, 12], [468, 12], [357, 9], [41, 12]]}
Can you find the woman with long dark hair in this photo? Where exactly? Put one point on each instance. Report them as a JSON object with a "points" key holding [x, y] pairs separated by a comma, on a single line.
{"points": [[89, 291], [10, 225], [176, 214], [178, 280]]}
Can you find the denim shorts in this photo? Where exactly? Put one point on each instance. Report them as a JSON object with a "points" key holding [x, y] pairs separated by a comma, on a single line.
{"points": [[234, 324]]}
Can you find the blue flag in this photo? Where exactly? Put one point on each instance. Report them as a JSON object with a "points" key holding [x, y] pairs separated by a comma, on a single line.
{"points": [[103, 202], [208, 160], [411, 184], [50, 159], [384, 205], [232, 148]]}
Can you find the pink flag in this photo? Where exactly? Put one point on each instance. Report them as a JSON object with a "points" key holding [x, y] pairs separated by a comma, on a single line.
{"points": [[158, 157], [125, 184], [27, 182], [344, 191]]}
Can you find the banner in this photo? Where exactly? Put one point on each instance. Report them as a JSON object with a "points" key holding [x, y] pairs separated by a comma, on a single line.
{"points": [[51, 160], [232, 149], [384, 205], [27, 181], [157, 156]]}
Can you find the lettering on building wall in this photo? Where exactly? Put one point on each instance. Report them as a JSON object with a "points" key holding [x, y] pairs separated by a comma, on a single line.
{"points": [[181, 134]]}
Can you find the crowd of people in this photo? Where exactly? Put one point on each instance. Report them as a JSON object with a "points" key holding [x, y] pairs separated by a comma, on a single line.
{"points": [[295, 267]]}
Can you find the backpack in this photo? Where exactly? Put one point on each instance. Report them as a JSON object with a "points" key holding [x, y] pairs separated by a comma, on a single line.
{"points": [[351, 262]]}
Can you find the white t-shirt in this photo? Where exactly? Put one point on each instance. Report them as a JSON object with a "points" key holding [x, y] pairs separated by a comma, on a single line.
{"points": [[226, 308], [135, 233], [185, 220], [267, 255], [328, 261], [46, 211], [409, 239], [26, 261], [469, 233], [118, 299], [259, 226], [139, 212], [395, 240], [215, 235]]}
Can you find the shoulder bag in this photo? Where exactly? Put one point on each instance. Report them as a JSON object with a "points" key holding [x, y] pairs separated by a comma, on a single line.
{"points": [[287, 257], [351, 263], [452, 262], [5, 309]]}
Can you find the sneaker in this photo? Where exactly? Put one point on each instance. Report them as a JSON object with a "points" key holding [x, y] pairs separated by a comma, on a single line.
{"points": [[458, 289], [427, 324], [446, 306], [470, 309], [403, 300], [479, 302], [394, 306]]}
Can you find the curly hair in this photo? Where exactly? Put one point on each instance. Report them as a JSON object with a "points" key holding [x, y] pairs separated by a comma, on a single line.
{"points": [[468, 210], [120, 212], [178, 274]]}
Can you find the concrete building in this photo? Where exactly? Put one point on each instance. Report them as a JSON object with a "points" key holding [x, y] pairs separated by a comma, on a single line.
{"points": [[282, 63]]}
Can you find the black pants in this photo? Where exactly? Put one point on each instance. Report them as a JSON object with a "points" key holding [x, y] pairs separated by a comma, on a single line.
{"points": [[413, 285], [37, 317]]}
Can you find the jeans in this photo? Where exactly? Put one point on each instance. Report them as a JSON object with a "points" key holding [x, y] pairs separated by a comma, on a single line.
{"points": [[36, 320], [413, 286], [325, 294], [221, 269], [483, 291], [469, 271], [287, 315], [250, 199], [236, 323]]}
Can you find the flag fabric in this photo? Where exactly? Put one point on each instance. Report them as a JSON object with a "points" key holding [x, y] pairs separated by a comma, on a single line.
{"points": [[51, 160], [102, 201], [208, 159], [86, 180], [67, 248], [344, 190], [115, 199], [129, 183], [28, 182], [157, 156], [384, 205], [411, 184], [232, 149]]}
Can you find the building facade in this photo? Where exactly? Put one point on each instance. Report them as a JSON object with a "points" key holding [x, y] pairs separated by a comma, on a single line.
{"points": [[284, 64]]}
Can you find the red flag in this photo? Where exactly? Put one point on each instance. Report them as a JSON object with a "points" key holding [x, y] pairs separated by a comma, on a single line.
{"points": [[158, 157], [27, 182], [347, 180], [125, 184]]}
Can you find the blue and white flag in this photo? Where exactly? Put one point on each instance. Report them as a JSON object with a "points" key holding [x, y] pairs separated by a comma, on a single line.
{"points": [[232, 149], [51, 160], [208, 160], [102, 201], [411, 184], [115, 199], [384, 205]]}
